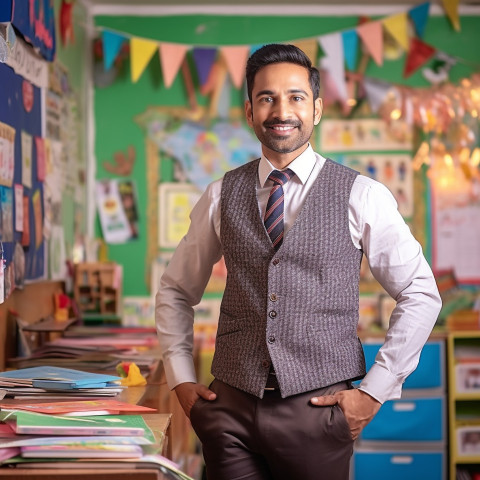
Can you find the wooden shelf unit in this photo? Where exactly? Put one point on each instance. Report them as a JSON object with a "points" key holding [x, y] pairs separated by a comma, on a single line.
{"points": [[98, 288], [464, 406]]}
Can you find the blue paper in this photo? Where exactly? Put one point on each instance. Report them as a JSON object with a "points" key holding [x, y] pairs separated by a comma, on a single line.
{"points": [[57, 377]]}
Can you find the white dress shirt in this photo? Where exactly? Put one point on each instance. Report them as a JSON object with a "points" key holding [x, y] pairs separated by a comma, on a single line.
{"points": [[376, 227]]}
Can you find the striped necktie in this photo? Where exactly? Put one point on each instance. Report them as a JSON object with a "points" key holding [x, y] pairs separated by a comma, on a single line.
{"points": [[274, 212]]}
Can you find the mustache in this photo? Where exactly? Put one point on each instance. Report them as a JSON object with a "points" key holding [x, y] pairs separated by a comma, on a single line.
{"points": [[277, 121]]}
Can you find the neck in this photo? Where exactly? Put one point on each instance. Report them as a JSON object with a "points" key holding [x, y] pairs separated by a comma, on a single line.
{"points": [[282, 160]]}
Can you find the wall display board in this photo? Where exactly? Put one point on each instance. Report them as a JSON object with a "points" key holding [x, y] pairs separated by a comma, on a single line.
{"points": [[20, 109], [456, 230]]}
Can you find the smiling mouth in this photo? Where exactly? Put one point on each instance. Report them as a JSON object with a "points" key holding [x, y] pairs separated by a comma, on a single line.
{"points": [[284, 128]]}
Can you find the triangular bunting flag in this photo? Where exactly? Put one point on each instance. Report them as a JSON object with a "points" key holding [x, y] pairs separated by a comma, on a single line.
{"points": [[171, 58], [141, 51], [236, 60], [396, 25], [419, 54], [350, 48], [372, 38], [329, 90], [254, 48], [451, 7], [310, 48], [419, 16], [112, 43], [333, 61], [203, 58], [224, 100], [376, 91]]}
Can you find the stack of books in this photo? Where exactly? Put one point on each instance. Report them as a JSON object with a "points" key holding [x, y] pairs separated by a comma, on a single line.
{"points": [[52, 381], [36, 440]]}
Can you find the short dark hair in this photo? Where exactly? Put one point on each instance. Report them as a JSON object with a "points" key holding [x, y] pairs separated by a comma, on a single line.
{"points": [[281, 53]]}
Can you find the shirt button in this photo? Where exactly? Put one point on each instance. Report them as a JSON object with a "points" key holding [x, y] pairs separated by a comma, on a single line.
{"points": [[271, 339], [272, 314], [276, 261], [266, 364], [273, 297]]}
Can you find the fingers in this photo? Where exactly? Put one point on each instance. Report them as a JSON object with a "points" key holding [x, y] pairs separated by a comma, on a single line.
{"points": [[324, 400], [206, 393]]}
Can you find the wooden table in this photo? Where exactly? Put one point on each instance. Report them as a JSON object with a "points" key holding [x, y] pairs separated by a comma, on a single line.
{"points": [[171, 428]]}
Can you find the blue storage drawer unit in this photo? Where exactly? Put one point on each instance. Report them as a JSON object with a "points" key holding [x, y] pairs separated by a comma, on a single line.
{"points": [[409, 420], [398, 465], [430, 372]]}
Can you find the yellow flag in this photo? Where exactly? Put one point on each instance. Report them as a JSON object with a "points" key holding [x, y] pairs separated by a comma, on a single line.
{"points": [[397, 27], [141, 51], [451, 7], [310, 48]]}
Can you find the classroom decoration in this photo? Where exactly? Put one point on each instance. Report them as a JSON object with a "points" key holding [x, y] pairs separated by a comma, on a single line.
{"points": [[34, 20], [451, 8], [116, 204], [122, 164], [205, 151], [66, 27], [338, 48]]}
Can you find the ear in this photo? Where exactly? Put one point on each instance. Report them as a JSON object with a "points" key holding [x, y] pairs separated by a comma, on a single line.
{"points": [[248, 113], [318, 111]]}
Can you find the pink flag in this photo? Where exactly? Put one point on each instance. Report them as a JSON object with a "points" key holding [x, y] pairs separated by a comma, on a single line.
{"points": [[171, 58], [372, 36], [236, 59]]}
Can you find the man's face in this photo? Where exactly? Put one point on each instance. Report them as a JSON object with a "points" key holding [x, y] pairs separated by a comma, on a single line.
{"points": [[283, 111]]}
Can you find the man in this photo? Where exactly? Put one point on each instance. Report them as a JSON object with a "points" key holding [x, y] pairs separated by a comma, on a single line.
{"points": [[282, 405]]}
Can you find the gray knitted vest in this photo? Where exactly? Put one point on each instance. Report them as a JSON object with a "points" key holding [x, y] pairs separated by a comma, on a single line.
{"points": [[296, 308]]}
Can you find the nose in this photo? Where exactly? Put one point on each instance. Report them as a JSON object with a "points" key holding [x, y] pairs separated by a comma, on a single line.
{"points": [[282, 108]]}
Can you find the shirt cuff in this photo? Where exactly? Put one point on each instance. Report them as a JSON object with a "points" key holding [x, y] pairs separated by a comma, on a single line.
{"points": [[381, 384], [179, 370]]}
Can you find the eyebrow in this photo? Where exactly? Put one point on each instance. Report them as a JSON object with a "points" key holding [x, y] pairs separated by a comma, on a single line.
{"points": [[270, 92]]}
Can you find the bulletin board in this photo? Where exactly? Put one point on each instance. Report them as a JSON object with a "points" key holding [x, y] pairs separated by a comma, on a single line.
{"points": [[42, 166], [20, 108]]}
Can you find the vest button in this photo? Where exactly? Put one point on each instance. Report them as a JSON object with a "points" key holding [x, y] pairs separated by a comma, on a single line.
{"points": [[266, 364], [271, 339], [276, 261], [272, 314], [273, 297]]}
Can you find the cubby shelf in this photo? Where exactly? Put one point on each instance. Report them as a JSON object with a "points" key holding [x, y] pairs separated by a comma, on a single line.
{"points": [[98, 288], [464, 406]]}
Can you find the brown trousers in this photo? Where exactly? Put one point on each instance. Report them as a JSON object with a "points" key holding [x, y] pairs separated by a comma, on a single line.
{"points": [[274, 438]]}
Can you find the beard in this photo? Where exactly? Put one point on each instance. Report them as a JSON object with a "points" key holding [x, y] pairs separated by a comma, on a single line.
{"points": [[283, 143]]}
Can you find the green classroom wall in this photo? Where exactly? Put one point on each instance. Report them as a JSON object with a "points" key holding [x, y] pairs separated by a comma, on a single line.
{"points": [[116, 106], [72, 57]]}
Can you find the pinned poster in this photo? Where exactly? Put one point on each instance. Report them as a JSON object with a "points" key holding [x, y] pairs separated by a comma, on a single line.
{"points": [[41, 165], [26, 223], [26, 159], [7, 152], [37, 215], [113, 219], [18, 189], [6, 200]]}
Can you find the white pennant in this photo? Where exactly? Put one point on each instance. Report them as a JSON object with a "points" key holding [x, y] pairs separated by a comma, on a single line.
{"points": [[376, 91], [333, 61]]}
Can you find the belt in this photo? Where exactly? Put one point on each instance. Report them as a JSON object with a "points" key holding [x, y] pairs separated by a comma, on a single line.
{"points": [[272, 383]]}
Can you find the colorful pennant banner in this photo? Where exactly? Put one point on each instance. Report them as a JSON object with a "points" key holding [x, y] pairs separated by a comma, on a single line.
{"points": [[340, 51]]}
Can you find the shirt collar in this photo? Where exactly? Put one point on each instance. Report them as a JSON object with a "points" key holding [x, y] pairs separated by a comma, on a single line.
{"points": [[302, 166]]}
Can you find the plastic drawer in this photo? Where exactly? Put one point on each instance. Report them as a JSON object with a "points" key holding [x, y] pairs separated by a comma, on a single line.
{"points": [[409, 420], [430, 372], [398, 465]]}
